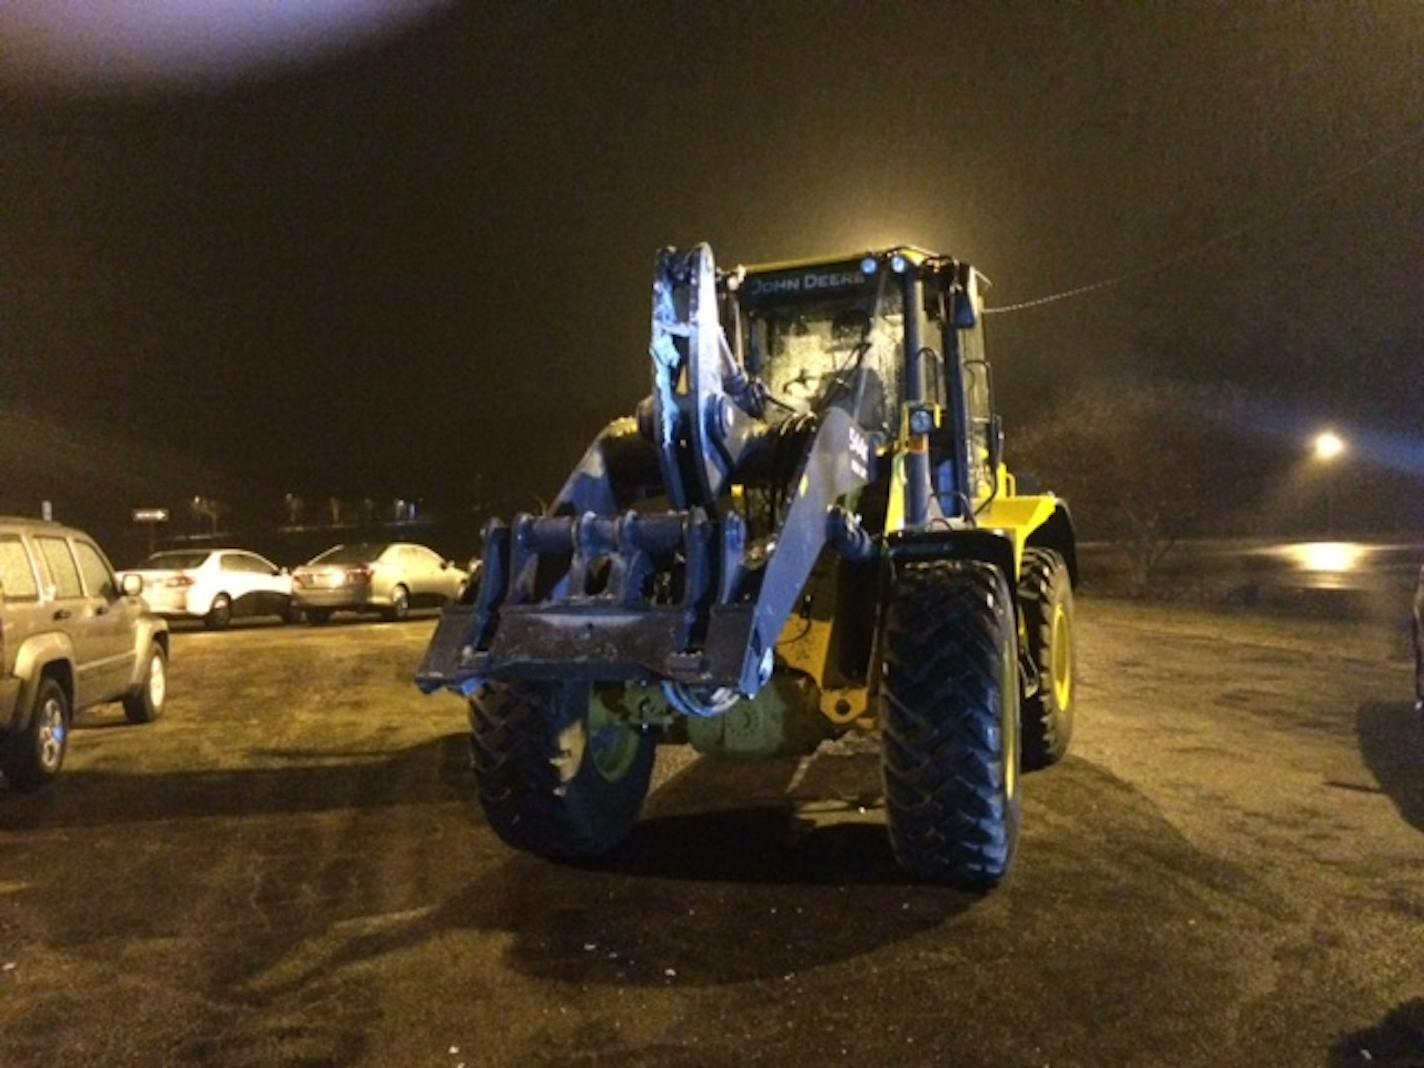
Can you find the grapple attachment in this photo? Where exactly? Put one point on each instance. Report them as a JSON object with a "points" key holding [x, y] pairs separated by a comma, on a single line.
{"points": [[636, 596]]}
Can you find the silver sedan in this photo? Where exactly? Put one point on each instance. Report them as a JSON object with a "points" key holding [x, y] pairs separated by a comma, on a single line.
{"points": [[389, 578]]}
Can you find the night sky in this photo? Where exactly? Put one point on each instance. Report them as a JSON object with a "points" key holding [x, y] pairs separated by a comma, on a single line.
{"points": [[412, 262]]}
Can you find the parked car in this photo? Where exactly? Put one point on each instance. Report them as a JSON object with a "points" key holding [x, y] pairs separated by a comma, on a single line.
{"points": [[1419, 644], [71, 635], [386, 577], [215, 585]]}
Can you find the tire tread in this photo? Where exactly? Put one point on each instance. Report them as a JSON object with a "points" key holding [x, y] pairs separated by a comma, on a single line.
{"points": [[1047, 729], [951, 818]]}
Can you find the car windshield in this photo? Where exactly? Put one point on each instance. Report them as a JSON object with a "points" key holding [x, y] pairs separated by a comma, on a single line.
{"points": [[359, 553], [173, 561]]}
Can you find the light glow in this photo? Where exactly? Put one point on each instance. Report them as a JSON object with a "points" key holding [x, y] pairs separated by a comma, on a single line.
{"points": [[83, 44], [1329, 446], [1326, 556]]}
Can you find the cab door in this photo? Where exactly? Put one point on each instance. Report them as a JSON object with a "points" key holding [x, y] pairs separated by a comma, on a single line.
{"points": [[69, 611], [267, 591], [245, 582], [436, 582], [21, 613], [110, 620]]}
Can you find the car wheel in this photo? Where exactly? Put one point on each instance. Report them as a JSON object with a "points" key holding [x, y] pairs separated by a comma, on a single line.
{"points": [[317, 616], [400, 605], [292, 613], [33, 757], [145, 704], [220, 614]]}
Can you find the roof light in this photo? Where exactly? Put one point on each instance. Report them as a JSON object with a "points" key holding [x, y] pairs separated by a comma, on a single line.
{"points": [[869, 265], [898, 263]]}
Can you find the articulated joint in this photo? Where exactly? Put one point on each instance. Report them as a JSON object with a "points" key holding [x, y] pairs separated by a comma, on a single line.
{"points": [[846, 536]]}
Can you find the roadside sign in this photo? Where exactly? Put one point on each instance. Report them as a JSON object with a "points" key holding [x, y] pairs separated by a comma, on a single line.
{"points": [[150, 515], [47, 511]]}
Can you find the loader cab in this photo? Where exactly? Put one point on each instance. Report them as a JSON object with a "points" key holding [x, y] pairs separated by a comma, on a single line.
{"points": [[826, 332], [834, 331]]}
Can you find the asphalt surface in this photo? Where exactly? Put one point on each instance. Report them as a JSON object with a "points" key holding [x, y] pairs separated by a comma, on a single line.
{"points": [[287, 870]]}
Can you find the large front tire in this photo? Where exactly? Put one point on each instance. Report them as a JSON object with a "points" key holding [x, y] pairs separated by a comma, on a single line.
{"points": [[557, 775], [949, 712], [1046, 595]]}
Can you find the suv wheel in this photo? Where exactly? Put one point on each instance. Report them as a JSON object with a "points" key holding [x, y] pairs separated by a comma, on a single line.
{"points": [[33, 757], [145, 704], [220, 614], [400, 605]]}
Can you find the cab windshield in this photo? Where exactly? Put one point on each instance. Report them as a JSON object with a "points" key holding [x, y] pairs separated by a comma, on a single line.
{"points": [[842, 350]]}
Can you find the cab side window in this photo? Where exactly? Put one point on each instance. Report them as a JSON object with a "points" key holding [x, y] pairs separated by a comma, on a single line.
{"points": [[17, 574], [62, 570], [98, 577]]}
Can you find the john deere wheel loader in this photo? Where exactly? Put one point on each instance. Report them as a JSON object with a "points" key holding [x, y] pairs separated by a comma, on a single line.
{"points": [[807, 529]]}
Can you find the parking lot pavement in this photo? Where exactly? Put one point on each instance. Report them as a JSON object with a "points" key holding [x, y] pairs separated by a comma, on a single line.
{"points": [[286, 869]]}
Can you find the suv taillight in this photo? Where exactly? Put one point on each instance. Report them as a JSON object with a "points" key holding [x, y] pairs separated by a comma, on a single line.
{"points": [[358, 574]]}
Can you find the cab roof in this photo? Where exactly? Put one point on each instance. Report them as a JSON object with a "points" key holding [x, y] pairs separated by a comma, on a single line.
{"points": [[913, 253]]}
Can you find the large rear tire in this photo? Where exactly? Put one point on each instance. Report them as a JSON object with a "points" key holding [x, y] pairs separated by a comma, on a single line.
{"points": [[949, 712], [557, 775], [1046, 596]]}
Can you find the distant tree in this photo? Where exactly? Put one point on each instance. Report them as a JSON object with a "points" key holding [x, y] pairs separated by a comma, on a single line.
{"points": [[210, 509], [1142, 465]]}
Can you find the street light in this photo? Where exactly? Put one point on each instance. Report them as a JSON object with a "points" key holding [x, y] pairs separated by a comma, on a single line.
{"points": [[1329, 447]]}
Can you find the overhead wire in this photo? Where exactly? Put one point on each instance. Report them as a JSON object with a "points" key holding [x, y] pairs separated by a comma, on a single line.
{"points": [[1311, 194]]}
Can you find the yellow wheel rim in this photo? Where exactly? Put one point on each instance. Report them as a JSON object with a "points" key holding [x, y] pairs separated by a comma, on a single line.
{"points": [[612, 743], [1061, 646]]}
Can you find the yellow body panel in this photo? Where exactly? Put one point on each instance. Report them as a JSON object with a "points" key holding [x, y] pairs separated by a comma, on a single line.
{"points": [[1017, 516]]}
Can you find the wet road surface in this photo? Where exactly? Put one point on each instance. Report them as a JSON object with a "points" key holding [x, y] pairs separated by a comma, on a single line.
{"points": [[287, 870]]}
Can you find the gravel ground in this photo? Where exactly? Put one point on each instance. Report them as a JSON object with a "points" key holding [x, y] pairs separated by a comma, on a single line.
{"points": [[1227, 870]]}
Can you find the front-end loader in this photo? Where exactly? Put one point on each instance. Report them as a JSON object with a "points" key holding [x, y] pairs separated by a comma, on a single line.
{"points": [[807, 528]]}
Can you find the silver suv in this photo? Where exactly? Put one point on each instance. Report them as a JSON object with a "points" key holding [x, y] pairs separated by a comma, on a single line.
{"points": [[70, 636]]}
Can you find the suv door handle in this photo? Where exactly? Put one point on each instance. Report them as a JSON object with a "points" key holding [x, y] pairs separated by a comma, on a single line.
{"points": [[62, 613], [102, 610]]}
